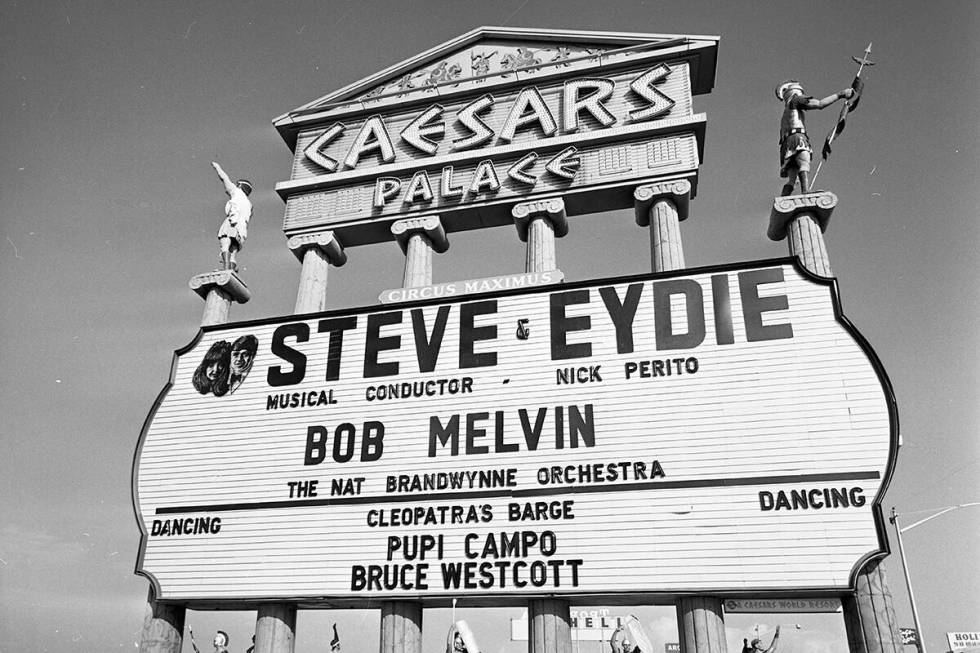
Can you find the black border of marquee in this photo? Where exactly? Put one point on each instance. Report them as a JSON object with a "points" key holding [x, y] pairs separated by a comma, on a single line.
{"points": [[510, 598]]}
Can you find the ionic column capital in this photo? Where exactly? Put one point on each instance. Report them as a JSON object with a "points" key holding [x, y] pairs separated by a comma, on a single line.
{"points": [[325, 241], [818, 205], [677, 190], [551, 209], [225, 280], [429, 225]]}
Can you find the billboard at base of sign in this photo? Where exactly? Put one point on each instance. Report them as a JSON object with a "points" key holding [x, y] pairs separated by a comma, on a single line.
{"points": [[783, 605], [963, 641], [586, 626], [727, 420]]}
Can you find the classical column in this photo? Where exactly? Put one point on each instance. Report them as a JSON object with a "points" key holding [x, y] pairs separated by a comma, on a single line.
{"points": [[869, 614], [316, 251], [662, 206], [218, 289], [802, 219], [401, 627], [163, 627], [401, 621], [275, 628], [550, 624], [538, 224], [701, 624], [418, 238]]}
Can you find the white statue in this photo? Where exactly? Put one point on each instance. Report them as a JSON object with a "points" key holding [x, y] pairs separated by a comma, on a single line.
{"points": [[238, 211]]}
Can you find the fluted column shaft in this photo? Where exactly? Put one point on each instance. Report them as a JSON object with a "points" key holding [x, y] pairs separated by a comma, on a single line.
{"points": [[418, 261], [163, 627], [419, 238], [666, 250], [550, 624], [701, 624], [662, 206], [401, 627], [869, 614], [217, 307], [538, 224], [275, 628], [806, 242], [316, 251], [540, 246]]}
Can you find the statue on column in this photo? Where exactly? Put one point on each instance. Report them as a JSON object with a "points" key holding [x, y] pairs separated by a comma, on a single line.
{"points": [[794, 144], [238, 211]]}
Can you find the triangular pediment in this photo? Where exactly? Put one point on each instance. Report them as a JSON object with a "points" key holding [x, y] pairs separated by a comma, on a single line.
{"points": [[492, 56]]}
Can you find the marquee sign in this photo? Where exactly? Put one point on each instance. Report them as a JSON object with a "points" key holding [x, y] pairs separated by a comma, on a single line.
{"points": [[495, 118], [716, 430]]}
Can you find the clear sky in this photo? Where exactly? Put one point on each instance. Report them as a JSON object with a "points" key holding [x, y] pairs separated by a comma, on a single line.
{"points": [[111, 111]]}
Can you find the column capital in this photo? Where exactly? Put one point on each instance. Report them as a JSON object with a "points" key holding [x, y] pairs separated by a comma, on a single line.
{"points": [[678, 190], [430, 225], [551, 209], [226, 280], [819, 205], [325, 241]]}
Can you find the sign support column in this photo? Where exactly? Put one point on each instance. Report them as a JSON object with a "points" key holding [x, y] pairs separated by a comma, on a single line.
{"points": [[418, 238], [662, 206], [316, 252], [401, 627], [869, 613], [275, 628], [701, 624], [550, 623], [401, 621], [163, 627], [538, 224]]}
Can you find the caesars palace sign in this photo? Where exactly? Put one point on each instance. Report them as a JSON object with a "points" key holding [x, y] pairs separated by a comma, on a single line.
{"points": [[719, 430], [575, 118]]}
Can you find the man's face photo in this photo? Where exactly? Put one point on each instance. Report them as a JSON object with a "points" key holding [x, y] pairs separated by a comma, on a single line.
{"points": [[242, 356], [241, 361]]}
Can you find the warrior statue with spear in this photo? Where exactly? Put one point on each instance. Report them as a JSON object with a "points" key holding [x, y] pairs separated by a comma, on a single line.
{"points": [[794, 144]]}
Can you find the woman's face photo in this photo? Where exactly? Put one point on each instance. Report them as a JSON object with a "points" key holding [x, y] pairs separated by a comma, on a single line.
{"points": [[214, 370]]}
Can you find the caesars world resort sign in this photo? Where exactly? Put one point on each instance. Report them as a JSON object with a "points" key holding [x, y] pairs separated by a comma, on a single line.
{"points": [[492, 118], [715, 430]]}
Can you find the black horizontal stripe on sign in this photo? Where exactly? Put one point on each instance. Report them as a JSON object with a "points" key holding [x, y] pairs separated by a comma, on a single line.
{"points": [[517, 494]]}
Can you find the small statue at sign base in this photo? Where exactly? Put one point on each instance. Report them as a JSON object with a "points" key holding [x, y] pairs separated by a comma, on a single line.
{"points": [[238, 211], [461, 639], [794, 145], [756, 645]]}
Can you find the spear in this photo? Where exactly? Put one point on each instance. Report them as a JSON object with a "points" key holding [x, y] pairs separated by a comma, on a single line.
{"points": [[849, 105]]}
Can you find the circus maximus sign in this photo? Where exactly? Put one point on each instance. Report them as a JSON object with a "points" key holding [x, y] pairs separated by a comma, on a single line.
{"points": [[494, 117]]}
